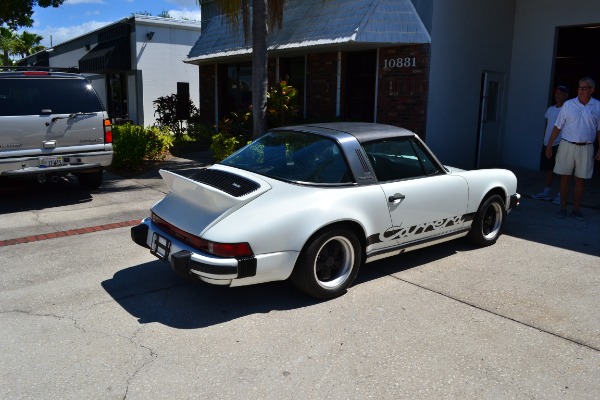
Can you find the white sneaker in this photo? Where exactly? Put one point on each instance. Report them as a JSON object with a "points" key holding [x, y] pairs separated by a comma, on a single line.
{"points": [[542, 196], [556, 199]]}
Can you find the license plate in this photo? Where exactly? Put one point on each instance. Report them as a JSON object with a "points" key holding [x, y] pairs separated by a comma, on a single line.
{"points": [[51, 161], [161, 247]]}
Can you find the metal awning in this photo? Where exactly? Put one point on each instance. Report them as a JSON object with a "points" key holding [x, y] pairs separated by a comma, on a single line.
{"points": [[106, 57], [321, 24]]}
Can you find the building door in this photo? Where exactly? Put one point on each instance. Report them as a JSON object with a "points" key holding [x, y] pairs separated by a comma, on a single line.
{"points": [[359, 104], [488, 146]]}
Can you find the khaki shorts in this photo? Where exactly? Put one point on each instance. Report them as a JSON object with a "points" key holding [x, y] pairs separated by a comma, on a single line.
{"points": [[571, 158]]}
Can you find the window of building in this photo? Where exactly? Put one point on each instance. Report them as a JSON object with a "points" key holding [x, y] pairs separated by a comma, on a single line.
{"points": [[117, 97], [238, 87]]}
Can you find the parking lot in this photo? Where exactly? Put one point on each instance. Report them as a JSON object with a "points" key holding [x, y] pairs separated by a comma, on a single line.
{"points": [[86, 313]]}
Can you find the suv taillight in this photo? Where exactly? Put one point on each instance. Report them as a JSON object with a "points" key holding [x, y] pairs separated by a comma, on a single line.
{"points": [[108, 138]]}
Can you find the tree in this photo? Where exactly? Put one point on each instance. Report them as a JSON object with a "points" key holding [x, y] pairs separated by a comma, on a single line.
{"points": [[8, 41], [265, 15], [28, 44], [17, 13]]}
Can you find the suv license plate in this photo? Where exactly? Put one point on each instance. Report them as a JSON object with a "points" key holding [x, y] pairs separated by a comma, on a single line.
{"points": [[50, 162], [161, 247]]}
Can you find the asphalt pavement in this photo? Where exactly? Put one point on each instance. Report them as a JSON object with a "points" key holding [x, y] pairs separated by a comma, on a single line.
{"points": [[91, 315]]}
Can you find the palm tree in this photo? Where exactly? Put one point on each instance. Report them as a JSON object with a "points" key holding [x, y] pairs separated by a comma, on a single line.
{"points": [[8, 40], [28, 44], [265, 15]]}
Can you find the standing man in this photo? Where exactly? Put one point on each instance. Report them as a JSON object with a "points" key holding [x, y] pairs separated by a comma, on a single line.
{"points": [[579, 124], [561, 92]]}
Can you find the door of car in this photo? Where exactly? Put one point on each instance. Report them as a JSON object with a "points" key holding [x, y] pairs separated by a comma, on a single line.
{"points": [[423, 200]]}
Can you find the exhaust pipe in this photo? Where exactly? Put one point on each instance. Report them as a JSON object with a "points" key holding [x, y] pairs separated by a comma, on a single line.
{"points": [[54, 178], [41, 178]]}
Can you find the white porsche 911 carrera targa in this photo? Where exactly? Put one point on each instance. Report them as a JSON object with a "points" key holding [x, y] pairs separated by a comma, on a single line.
{"points": [[312, 203]]}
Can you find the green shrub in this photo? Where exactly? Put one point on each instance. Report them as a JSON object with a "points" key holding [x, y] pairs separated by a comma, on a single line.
{"points": [[173, 111], [282, 105], [132, 144], [234, 133], [223, 146]]}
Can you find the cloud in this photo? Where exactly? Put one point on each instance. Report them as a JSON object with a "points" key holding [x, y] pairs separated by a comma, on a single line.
{"points": [[193, 15], [185, 3], [65, 33]]}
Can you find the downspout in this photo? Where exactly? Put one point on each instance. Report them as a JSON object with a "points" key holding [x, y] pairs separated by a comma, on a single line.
{"points": [[338, 90], [305, 82], [277, 79], [376, 87], [216, 99]]}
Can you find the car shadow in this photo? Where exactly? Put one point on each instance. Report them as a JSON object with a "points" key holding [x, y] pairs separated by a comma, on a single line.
{"points": [[18, 196], [27, 195], [151, 292], [412, 259]]}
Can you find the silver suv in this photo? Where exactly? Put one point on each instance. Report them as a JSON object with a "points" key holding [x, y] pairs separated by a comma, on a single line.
{"points": [[52, 124]]}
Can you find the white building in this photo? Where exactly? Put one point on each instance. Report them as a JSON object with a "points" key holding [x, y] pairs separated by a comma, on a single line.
{"points": [[131, 63]]}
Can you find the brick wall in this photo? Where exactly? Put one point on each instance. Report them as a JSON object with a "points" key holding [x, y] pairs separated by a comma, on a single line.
{"points": [[403, 86]]}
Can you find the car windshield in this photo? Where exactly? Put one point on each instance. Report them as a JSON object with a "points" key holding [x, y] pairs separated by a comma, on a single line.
{"points": [[294, 156]]}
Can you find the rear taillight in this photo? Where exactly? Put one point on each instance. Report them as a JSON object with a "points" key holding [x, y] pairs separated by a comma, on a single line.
{"points": [[108, 138], [214, 248]]}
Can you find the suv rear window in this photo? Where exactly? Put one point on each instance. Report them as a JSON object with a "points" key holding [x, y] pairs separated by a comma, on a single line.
{"points": [[29, 96]]}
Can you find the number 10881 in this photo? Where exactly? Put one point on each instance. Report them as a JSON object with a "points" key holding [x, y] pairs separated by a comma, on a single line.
{"points": [[400, 62]]}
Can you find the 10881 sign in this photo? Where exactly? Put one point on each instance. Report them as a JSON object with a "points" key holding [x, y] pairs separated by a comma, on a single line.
{"points": [[399, 62]]}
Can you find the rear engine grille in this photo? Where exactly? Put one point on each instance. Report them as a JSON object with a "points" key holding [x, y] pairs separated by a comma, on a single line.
{"points": [[232, 184]]}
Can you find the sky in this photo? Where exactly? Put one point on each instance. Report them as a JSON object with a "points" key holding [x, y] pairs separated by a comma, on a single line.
{"points": [[78, 17]]}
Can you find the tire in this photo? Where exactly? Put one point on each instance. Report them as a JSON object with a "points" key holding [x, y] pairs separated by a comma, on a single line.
{"points": [[328, 264], [488, 222], [90, 180]]}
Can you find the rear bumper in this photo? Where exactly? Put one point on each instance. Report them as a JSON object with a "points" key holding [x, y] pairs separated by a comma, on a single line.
{"points": [[23, 166], [191, 263]]}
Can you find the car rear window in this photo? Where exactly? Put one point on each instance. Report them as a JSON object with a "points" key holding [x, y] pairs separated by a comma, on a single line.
{"points": [[294, 156], [35, 96]]}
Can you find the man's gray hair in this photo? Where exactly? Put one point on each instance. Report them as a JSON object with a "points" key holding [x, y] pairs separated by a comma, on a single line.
{"points": [[589, 81]]}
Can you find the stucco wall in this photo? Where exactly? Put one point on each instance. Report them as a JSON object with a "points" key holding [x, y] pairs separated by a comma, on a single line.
{"points": [[467, 38], [532, 60], [161, 60]]}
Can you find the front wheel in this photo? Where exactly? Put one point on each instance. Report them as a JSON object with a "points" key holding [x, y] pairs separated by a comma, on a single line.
{"points": [[489, 221], [328, 264]]}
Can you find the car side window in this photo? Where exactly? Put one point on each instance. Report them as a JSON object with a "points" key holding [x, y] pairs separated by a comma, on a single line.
{"points": [[397, 159]]}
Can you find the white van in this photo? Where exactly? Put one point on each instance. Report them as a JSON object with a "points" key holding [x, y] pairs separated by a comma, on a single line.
{"points": [[52, 124]]}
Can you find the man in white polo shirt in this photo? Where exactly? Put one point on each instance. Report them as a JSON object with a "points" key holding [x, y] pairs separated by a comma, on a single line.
{"points": [[579, 124]]}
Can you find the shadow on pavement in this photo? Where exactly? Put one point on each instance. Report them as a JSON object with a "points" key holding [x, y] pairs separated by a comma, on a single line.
{"points": [[151, 292], [17, 196]]}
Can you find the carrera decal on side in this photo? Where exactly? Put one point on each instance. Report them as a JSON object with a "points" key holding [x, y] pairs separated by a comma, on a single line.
{"points": [[397, 232]]}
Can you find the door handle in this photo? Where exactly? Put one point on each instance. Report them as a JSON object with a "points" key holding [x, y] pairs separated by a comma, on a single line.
{"points": [[396, 196]]}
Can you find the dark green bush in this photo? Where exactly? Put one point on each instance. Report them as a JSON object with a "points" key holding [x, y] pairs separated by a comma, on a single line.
{"points": [[132, 144], [173, 111]]}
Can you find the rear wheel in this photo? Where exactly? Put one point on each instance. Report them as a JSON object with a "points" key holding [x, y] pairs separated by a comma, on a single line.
{"points": [[328, 264], [90, 180], [489, 221]]}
